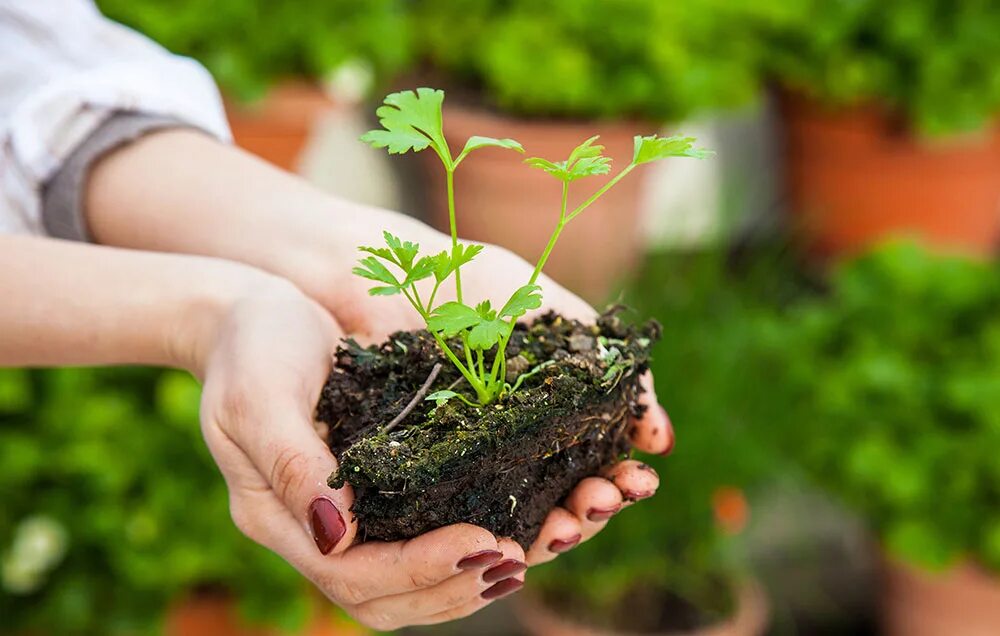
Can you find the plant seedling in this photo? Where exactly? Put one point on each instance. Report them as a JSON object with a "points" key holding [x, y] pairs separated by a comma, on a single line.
{"points": [[474, 337]]}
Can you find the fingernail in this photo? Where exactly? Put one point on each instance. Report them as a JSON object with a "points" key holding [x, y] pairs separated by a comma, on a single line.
{"points": [[478, 560], [327, 524], [602, 514], [503, 570], [501, 589], [564, 545], [636, 495]]}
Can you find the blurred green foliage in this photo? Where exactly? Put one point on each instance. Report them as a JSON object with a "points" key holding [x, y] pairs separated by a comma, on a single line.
{"points": [[933, 60], [880, 384], [250, 44], [896, 383], [709, 375], [113, 508], [597, 58]]}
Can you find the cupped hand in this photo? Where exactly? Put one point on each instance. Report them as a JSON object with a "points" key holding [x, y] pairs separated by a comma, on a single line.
{"points": [[264, 368], [496, 272]]}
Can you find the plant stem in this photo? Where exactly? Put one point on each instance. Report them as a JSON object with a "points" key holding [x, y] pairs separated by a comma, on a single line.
{"points": [[555, 235], [594, 197], [472, 379], [450, 172]]}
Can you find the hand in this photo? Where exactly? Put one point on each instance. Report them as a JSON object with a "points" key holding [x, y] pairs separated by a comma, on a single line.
{"points": [[596, 499], [263, 371]]}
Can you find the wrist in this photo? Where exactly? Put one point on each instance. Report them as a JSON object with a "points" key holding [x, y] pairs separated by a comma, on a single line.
{"points": [[201, 319]]}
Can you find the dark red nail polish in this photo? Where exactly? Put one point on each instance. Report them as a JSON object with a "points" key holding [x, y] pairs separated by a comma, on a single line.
{"points": [[564, 545], [602, 514], [504, 569], [478, 560], [501, 589], [327, 524], [636, 495]]}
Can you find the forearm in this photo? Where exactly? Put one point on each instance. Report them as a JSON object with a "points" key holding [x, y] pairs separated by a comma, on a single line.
{"points": [[72, 304], [180, 191]]}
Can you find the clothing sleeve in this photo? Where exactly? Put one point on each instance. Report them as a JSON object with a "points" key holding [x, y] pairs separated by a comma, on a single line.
{"points": [[65, 71]]}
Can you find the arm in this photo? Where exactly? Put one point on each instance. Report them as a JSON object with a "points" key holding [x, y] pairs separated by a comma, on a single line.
{"points": [[181, 191], [263, 350]]}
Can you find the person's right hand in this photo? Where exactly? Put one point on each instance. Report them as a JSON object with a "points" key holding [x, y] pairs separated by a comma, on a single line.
{"points": [[264, 365]]}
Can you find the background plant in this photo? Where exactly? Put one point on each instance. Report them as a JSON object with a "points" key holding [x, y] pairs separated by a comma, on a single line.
{"points": [[113, 508], [412, 120], [596, 58], [687, 542], [896, 382], [932, 60], [248, 45]]}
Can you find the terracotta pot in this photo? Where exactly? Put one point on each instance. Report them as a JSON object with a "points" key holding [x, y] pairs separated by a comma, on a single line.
{"points": [[856, 176], [965, 601], [277, 127], [751, 618], [502, 201], [216, 615]]}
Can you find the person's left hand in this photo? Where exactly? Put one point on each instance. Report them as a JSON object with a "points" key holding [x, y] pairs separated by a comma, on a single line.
{"points": [[498, 272]]}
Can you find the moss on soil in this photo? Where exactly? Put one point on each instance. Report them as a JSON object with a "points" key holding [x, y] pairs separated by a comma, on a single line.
{"points": [[502, 467]]}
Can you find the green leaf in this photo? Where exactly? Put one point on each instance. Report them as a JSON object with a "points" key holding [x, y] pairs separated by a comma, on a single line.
{"points": [[462, 254], [586, 150], [476, 142], [487, 333], [384, 291], [405, 251], [371, 268], [485, 310], [441, 397], [521, 301], [411, 121], [381, 252], [585, 160], [653, 148], [452, 318], [442, 266], [423, 268]]}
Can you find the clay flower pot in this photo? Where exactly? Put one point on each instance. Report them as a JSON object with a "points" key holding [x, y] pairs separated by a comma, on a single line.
{"points": [[510, 205], [964, 601], [751, 618], [216, 615], [856, 176], [277, 127]]}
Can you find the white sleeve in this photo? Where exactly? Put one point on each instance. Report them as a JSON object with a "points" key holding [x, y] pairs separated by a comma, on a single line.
{"points": [[64, 69]]}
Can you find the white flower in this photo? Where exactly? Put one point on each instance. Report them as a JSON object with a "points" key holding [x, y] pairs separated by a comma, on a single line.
{"points": [[39, 545]]}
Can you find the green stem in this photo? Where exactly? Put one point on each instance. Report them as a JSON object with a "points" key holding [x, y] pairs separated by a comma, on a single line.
{"points": [[416, 305], [597, 195], [472, 379], [555, 235], [430, 301], [450, 172]]}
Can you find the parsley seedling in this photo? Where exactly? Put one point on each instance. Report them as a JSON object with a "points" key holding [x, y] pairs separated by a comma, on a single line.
{"points": [[412, 121]]}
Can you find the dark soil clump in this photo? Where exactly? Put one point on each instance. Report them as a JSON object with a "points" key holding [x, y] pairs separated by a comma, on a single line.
{"points": [[502, 467]]}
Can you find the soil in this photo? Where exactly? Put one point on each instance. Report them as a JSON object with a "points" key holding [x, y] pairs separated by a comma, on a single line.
{"points": [[502, 467]]}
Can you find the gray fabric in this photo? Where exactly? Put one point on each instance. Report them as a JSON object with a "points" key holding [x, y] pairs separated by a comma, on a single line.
{"points": [[63, 194]]}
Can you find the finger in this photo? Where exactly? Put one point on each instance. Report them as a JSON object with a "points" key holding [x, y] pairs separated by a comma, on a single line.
{"points": [[462, 590], [560, 533], [594, 501], [384, 569], [634, 479], [653, 432], [279, 438]]}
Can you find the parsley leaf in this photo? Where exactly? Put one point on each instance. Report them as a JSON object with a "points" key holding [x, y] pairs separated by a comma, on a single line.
{"points": [[411, 121], [521, 301], [476, 142], [653, 147], [452, 317], [586, 160]]}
